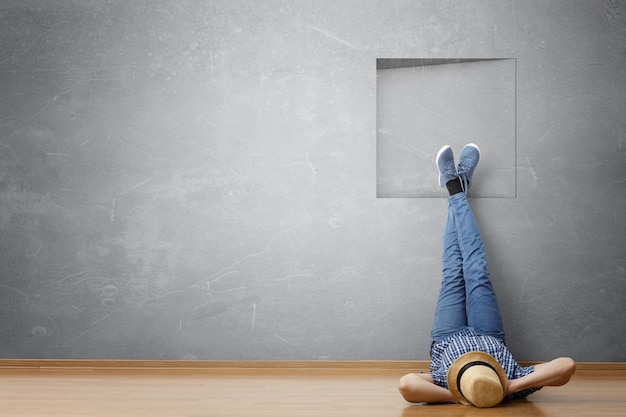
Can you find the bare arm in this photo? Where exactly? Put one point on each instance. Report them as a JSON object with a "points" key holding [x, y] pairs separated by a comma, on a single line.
{"points": [[554, 373], [419, 388]]}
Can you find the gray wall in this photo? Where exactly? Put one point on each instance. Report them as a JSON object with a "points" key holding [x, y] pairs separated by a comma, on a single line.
{"points": [[198, 179]]}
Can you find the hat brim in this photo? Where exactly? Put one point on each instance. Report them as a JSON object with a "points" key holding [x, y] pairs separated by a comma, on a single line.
{"points": [[461, 361]]}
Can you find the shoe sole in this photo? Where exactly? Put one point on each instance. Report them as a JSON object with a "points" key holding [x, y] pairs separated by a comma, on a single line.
{"points": [[442, 150]]}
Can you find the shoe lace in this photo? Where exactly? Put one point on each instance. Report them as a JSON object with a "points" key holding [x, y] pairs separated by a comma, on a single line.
{"points": [[463, 174]]}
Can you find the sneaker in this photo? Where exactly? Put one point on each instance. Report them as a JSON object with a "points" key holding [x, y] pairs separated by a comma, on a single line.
{"points": [[470, 154], [445, 164]]}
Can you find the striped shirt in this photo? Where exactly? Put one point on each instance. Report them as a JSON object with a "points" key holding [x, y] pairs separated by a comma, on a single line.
{"points": [[446, 351]]}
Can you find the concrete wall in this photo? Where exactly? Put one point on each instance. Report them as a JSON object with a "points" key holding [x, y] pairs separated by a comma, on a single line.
{"points": [[198, 179]]}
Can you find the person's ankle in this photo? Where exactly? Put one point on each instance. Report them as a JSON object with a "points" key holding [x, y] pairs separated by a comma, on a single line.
{"points": [[454, 186]]}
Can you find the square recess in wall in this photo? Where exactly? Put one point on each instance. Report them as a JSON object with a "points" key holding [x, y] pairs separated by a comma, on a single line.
{"points": [[423, 104]]}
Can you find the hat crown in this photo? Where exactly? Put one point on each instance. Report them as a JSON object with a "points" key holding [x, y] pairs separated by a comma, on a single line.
{"points": [[481, 385], [477, 378]]}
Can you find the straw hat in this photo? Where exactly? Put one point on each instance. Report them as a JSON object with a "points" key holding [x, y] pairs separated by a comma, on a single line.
{"points": [[477, 378]]}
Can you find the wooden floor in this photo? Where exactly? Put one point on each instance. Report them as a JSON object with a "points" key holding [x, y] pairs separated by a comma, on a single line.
{"points": [[273, 392]]}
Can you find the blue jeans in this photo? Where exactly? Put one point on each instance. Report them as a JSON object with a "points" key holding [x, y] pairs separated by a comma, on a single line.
{"points": [[466, 298]]}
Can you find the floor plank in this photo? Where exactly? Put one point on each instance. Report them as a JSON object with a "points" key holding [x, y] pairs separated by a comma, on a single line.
{"points": [[272, 392]]}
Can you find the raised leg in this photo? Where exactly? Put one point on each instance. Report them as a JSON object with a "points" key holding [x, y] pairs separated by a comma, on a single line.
{"points": [[450, 311], [482, 309]]}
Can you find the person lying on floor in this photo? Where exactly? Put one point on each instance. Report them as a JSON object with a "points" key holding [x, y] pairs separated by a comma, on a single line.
{"points": [[470, 363]]}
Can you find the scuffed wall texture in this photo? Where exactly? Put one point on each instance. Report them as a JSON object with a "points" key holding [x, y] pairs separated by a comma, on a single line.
{"points": [[197, 179]]}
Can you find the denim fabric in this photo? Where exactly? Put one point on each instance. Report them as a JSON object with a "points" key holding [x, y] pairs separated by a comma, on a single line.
{"points": [[466, 298]]}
